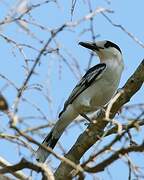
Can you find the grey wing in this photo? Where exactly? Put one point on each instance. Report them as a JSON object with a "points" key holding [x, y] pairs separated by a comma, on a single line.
{"points": [[92, 75]]}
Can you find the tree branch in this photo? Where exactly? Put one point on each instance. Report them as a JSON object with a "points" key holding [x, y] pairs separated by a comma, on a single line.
{"points": [[101, 166], [47, 174], [18, 174]]}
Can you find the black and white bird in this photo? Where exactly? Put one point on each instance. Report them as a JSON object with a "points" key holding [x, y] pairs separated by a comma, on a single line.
{"points": [[92, 92]]}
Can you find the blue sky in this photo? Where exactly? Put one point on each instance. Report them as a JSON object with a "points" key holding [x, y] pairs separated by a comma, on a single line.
{"points": [[53, 75]]}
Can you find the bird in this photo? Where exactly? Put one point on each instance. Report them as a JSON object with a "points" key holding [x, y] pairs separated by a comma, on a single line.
{"points": [[92, 92]]}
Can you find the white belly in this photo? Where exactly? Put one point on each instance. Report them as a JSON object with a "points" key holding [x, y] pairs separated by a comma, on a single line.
{"points": [[96, 95]]}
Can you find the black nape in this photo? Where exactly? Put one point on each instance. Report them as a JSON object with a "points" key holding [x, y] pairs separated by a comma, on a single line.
{"points": [[111, 44]]}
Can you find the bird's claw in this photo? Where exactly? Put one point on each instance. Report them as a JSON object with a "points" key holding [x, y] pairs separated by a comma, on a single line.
{"points": [[86, 123]]}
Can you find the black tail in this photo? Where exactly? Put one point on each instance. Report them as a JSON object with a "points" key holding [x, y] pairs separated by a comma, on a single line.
{"points": [[54, 135], [49, 141]]}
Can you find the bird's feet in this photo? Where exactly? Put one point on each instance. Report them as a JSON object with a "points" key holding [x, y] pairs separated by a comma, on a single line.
{"points": [[87, 118]]}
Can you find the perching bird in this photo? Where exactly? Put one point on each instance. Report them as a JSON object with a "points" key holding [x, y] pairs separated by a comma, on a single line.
{"points": [[93, 91]]}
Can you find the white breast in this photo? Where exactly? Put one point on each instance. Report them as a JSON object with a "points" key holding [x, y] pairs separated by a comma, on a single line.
{"points": [[99, 93]]}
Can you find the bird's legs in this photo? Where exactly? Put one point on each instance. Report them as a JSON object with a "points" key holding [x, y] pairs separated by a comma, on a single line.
{"points": [[101, 110], [86, 117]]}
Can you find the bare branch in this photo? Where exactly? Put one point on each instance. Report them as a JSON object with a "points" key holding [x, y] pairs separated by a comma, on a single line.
{"points": [[124, 30], [17, 174], [101, 166], [23, 87], [24, 164]]}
